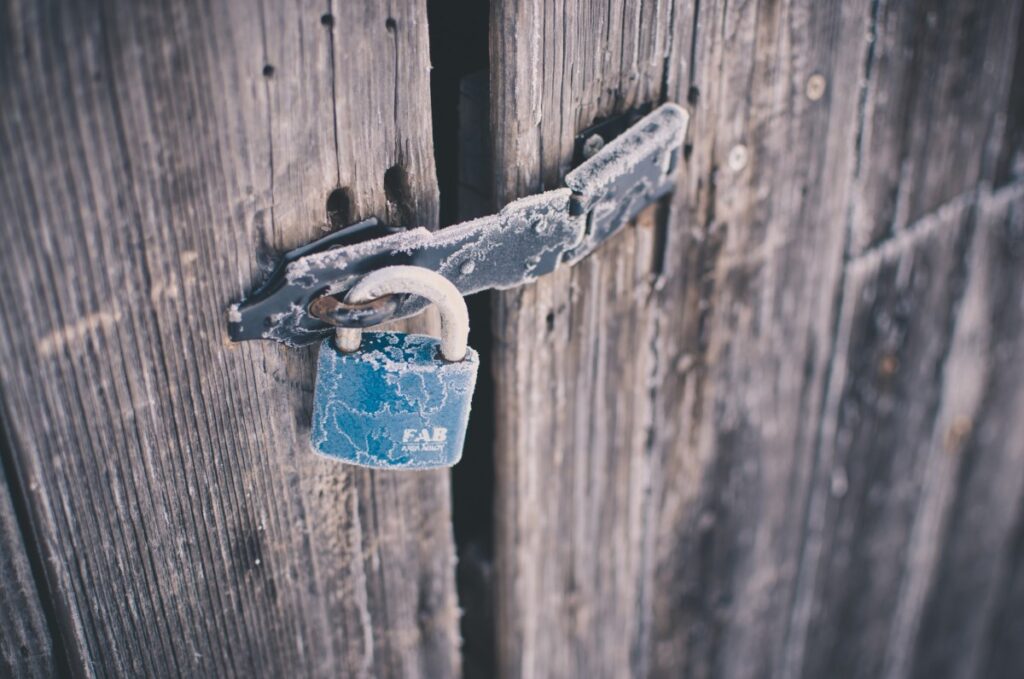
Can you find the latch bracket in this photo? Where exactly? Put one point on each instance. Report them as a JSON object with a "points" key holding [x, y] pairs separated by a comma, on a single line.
{"points": [[528, 238]]}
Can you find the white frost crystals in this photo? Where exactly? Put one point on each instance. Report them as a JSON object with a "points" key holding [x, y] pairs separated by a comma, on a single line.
{"points": [[528, 238]]}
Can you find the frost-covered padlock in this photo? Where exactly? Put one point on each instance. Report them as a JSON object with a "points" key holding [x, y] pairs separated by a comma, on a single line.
{"points": [[393, 400]]}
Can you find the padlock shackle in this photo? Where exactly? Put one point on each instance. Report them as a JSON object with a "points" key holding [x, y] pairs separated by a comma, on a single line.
{"points": [[424, 283]]}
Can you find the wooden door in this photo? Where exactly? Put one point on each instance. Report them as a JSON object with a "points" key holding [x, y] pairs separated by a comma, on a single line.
{"points": [[168, 517], [772, 429]]}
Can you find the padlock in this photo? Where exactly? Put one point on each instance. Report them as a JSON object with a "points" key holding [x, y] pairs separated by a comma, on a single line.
{"points": [[393, 400]]}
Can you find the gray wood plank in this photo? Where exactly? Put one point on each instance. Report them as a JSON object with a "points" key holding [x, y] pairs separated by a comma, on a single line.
{"points": [[935, 98], [970, 610], [1010, 154], [26, 645], [883, 477], [154, 154], [678, 378], [571, 365], [765, 201], [898, 389], [685, 412]]}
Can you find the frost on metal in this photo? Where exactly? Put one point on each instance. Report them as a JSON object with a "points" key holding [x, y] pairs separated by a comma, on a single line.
{"points": [[393, 404], [302, 272], [522, 242], [627, 174], [528, 238], [651, 141]]}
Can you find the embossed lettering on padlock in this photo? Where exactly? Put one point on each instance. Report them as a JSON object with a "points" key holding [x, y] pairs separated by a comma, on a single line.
{"points": [[399, 401]]}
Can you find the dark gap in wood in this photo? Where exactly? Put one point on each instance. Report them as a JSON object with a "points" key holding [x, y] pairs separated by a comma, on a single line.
{"points": [[401, 205], [56, 615], [693, 92], [661, 225], [339, 207], [459, 92], [862, 104], [327, 20], [666, 64]]}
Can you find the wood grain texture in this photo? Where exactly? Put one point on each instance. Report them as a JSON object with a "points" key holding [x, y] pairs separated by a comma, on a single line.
{"points": [[723, 450], [573, 555], [770, 430], [972, 605], [154, 154], [26, 646]]}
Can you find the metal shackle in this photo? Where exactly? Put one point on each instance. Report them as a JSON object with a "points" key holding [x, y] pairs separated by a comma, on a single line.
{"points": [[417, 281]]}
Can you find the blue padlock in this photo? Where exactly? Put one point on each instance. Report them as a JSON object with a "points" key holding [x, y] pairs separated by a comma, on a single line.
{"points": [[393, 400]]}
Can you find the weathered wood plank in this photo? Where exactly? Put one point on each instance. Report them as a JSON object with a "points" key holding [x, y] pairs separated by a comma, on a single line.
{"points": [[770, 587], [673, 445], [972, 606], [152, 153], [881, 469], [766, 199], [1004, 655], [936, 92], [26, 647], [882, 486], [1010, 153], [572, 560], [651, 409]]}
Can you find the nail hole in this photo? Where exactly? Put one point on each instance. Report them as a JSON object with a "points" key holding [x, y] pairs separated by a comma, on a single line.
{"points": [[692, 95], [339, 207], [268, 71], [550, 321], [399, 195], [391, 25], [327, 19]]}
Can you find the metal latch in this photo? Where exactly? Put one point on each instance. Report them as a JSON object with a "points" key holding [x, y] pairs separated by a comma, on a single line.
{"points": [[301, 301]]}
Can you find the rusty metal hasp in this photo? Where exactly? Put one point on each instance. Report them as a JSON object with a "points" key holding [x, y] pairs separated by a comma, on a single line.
{"points": [[301, 301]]}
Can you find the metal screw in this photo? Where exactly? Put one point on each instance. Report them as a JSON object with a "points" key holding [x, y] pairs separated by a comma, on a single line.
{"points": [[815, 88], [737, 157], [468, 267]]}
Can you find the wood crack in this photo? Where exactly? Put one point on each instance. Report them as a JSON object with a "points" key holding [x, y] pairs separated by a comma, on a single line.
{"points": [[801, 600], [270, 116], [926, 225], [334, 94]]}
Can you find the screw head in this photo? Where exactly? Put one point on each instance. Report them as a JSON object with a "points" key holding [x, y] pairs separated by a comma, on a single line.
{"points": [[815, 87], [737, 157]]}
